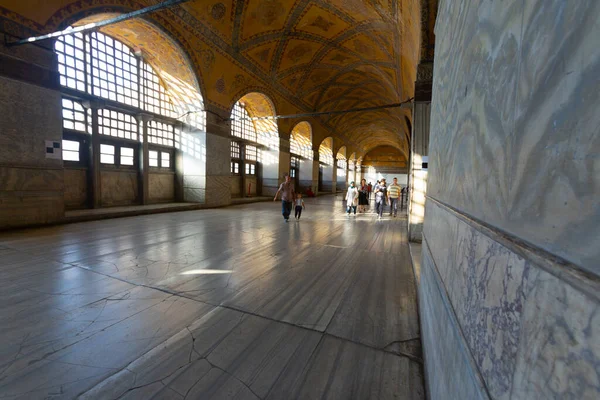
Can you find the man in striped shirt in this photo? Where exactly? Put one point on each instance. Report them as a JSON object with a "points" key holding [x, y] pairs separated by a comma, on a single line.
{"points": [[394, 191]]}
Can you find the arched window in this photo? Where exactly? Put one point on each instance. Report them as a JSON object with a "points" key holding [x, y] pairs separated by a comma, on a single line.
{"points": [[325, 152], [241, 125], [104, 67], [95, 66]]}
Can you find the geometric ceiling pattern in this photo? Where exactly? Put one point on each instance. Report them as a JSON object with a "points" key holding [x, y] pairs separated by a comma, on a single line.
{"points": [[306, 55], [330, 55]]}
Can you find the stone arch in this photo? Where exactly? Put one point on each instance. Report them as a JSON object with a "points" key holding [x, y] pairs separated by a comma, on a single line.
{"points": [[301, 142], [259, 105], [326, 151], [169, 55]]}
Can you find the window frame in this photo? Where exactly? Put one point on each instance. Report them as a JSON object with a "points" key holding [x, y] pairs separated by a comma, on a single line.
{"points": [[85, 141], [162, 150], [250, 168], [118, 144]]}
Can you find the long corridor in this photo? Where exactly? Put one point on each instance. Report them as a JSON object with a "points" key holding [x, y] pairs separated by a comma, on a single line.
{"points": [[228, 303]]}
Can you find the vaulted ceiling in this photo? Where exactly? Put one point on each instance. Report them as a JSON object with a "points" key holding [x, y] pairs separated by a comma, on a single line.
{"points": [[329, 55], [306, 55]]}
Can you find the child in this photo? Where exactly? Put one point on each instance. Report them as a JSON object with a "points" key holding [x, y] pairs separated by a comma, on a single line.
{"points": [[299, 205]]}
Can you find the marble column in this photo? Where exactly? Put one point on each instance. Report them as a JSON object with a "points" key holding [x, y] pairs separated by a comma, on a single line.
{"points": [[418, 163], [315, 171], [32, 181], [306, 174], [144, 163], [284, 157], [206, 162], [274, 165]]}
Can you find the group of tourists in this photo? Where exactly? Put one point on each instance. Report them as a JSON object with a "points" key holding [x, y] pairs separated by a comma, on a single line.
{"points": [[360, 196], [356, 198]]}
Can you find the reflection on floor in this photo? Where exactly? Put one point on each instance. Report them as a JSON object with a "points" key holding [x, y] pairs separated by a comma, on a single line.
{"points": [[216, 304]]}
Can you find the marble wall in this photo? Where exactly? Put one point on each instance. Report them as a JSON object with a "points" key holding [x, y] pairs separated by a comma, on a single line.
{"points": [[514, 130], [306, 174], [218, 170], [119, 188], [31, 185], [161, 187], [510, 276], [236, 184], [75, 188]]}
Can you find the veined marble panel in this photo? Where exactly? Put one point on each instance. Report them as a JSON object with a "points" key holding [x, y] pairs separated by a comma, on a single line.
{"points": [[30, 208], [161, 187], [30, 116], [75, 188], [559, 351], [514, 123], [451, 373], [118, 188], [518, 321], [218, 190], [218, 155]]}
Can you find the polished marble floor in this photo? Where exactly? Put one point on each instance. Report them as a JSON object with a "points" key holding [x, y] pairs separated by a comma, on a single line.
{"points": [[229, 303]]}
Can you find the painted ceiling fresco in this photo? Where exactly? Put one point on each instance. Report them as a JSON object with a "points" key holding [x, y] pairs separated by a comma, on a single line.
{"points": [[305, 55], [384, 156]]}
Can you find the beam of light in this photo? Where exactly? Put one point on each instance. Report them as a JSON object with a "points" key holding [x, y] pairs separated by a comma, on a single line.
{"points": [[206, 272]]}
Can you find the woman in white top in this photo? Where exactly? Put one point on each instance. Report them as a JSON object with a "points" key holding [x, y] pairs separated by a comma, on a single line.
{"points": [[352, 198]]}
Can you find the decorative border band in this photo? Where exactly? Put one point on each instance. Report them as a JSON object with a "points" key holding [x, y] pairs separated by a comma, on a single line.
{"points": [[567, 271]]}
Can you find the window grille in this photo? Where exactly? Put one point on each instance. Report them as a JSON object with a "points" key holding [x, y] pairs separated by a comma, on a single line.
{"points": [[117, 124], [70, 150], [252, 153], [240, 125], [107, 154], [235, 150], [161, 133]]}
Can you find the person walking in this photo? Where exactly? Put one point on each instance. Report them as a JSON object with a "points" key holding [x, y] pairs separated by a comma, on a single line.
{"points": [[288, 194], [370, 189], [299, 206], [393, 194], [351, 198], [363, 196], [380, 196]]}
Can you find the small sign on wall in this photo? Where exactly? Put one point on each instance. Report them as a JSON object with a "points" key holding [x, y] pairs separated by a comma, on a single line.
{"points": [[424, 162], [53, 150]]}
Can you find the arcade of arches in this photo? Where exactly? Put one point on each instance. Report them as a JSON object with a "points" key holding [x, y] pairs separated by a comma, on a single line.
{"points": [[203, 105]]}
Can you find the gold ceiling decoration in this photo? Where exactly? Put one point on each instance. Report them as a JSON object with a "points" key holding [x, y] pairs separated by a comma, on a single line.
{"points": [[305, 55]]}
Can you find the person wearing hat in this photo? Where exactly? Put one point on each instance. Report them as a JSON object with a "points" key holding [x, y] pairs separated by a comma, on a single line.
{"points": [[288, 195], [380, 196], [352, 198]]}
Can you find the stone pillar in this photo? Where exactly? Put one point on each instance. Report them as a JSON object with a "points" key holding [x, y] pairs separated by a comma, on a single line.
{"points": [[178, 164], [333, 175], [243, 176], [95, 188], [274, 165], [418, 163], [144, 163], [206, 162], [285, 157], [306, 175], [315, 172]]}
